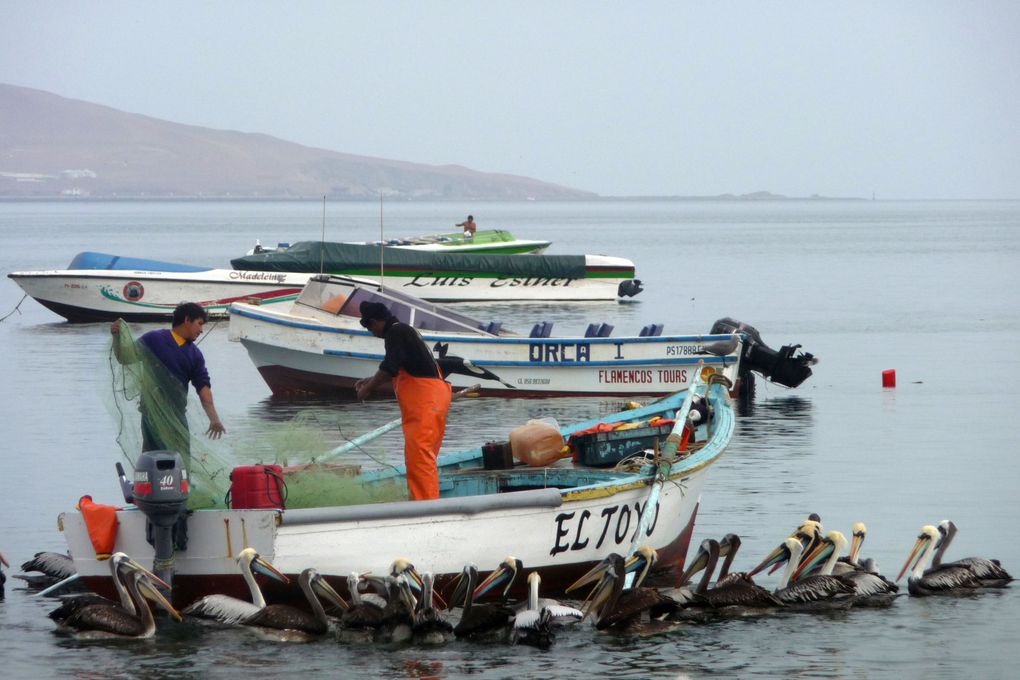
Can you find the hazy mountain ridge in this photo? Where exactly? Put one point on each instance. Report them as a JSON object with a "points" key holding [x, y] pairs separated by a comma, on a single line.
{"points": [[53, 146]]}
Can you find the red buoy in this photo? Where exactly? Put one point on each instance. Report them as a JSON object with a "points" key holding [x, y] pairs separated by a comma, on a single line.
{"points": [[889, 378]]}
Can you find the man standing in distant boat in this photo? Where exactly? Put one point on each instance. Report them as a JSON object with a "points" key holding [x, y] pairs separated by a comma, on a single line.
{"points": [[164, 404], [423, 395], [469, 226]]}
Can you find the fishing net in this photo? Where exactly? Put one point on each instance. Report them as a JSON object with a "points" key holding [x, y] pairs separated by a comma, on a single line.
{"points": [[151, 409]]}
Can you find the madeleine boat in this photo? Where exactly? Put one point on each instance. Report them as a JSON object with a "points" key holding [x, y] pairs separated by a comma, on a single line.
{"points": [[317, 346], [103, 287], [492, 241], [560, 519]]}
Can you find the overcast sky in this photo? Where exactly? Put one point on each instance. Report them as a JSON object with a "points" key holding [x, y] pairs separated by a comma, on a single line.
{"points": [[900, 99]]}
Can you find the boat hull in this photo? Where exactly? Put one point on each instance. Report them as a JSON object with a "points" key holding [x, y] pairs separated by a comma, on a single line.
{"points": [[303, 355], [89, 295], [562, 540]]}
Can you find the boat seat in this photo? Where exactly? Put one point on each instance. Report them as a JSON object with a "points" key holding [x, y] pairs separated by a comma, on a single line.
{"points": [[492, 327], [541, 329], [605, 330], [651, 330], [592, 330]]}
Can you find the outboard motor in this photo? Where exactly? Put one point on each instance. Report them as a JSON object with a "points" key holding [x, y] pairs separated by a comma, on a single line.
{"points": [[629, 288], [160, 490], [781, 366]]}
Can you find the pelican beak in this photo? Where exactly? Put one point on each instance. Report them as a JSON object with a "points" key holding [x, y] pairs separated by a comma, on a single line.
{"points": [[922, 541], [500, 574], [817, 556], [774, 559], [149, 590], [855, 545], [405, 593], [266, 568], [322, 588], [699, 563], [594, 574], [459, 588], [598, 597]]}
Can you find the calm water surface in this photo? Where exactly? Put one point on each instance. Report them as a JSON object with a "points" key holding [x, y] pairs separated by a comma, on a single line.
{"points": [[927, 288]]}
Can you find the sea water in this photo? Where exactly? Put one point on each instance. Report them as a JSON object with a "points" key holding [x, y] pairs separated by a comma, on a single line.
{"points": [[928, 289]]}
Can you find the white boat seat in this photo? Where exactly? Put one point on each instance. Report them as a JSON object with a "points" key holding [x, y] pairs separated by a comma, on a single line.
{"points": [[541, 329]]}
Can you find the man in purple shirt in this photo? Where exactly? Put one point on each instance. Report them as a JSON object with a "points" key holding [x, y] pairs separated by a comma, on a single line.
{"points": [[183, 362]]}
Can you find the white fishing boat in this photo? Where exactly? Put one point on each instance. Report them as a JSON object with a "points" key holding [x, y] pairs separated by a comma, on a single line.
{"points": [[560, 519], [103, 287], [316, 345]]}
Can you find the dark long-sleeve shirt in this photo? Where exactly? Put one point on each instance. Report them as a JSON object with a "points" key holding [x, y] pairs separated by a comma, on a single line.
{"points": [[405, 349]]}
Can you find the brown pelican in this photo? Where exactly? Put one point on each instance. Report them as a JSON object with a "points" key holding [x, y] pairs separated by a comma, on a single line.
{"points": [[533, 625], [990, 572], [814, 592], [232, 610], [121, 566], [945, 579], [429, 626], [52, 567], [734, 594], [398, 615], [288, 623], [809, 533], [618, 608], [111, 620], [367, 612], [871, 589], [505, 574], [479, 621]]}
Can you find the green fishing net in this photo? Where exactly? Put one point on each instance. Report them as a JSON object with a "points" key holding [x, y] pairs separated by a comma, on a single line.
{"points": [[144, 395]]}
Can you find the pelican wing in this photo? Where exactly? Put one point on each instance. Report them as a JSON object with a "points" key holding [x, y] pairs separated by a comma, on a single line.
{"points": [[222, 608]]}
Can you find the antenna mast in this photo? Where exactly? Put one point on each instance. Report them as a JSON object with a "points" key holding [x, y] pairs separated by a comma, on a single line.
{"points": [[322, 241]]}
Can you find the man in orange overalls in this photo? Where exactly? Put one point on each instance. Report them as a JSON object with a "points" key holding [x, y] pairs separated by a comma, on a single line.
{"points": [[423, 395]]}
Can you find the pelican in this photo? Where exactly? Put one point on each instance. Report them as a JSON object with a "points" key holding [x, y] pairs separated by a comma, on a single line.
{"points": [[506, 573], [809, 533], [111, 620], [288, 623], [429, 626], [232, 610], [121, 566], [871, 589], [52, 567], [618, 608], [990, 572], [734, 594], [945, 579], [479, 621], [534, 624], [812, 593], [398, 615]]}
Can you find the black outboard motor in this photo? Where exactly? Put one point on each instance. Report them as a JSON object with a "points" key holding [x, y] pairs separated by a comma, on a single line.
{"points": [[779, 367], [160, 490], [629, 288]]}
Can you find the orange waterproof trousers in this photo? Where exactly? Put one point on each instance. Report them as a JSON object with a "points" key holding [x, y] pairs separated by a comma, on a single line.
{"points": [[424, 403]]}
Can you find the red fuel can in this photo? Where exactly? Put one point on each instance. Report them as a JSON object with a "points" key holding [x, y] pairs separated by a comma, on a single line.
{"points": [[257, 486]]}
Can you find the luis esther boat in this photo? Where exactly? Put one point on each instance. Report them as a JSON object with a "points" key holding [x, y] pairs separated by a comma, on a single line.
{"points": [[560, 519], [317, 346], [104, 287]]}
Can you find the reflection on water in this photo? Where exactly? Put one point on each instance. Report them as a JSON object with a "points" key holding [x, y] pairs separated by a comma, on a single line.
{"points": [[777, 422]]}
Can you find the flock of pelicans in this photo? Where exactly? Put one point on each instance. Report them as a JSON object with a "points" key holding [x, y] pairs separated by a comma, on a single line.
{"points": [[403, 606]]}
